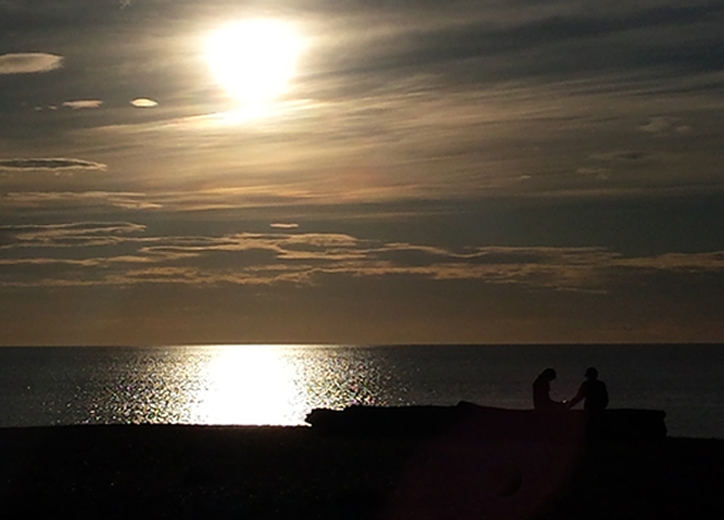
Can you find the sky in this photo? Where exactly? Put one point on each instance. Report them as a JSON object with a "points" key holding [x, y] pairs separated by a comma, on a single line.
{"points": [[361, 172]]}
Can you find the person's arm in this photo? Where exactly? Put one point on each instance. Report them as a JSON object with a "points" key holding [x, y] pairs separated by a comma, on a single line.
{"points": [[579, 396]]}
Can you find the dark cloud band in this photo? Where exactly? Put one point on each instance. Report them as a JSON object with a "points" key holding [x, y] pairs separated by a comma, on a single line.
{"points": [[50, 164]]}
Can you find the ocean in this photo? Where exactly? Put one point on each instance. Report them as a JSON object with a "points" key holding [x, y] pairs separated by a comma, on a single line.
{"points": [[280, 384]]}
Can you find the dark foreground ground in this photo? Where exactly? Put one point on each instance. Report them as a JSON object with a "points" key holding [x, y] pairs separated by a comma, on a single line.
{"points": [[296, 473]]}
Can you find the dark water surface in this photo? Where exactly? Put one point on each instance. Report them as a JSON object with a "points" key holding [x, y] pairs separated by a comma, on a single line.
{"points": [[268, 384]]}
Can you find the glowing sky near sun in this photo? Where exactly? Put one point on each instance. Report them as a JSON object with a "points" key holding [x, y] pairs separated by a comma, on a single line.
{"points": [[254, 59]]}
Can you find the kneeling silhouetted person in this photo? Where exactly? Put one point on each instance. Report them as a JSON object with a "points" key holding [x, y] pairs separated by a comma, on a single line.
{"points": [[541, 392]]}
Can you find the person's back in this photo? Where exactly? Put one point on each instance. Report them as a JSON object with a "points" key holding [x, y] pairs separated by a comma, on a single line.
{"points": [[593, 392], [596, 396]]}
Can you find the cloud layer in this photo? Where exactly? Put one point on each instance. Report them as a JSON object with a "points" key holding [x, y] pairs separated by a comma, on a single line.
{"points": [[121, 253], [29, 62], [50, 164]]}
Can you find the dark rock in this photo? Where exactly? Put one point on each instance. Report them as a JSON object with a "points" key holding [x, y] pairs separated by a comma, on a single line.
{"points": [[491, 423]]}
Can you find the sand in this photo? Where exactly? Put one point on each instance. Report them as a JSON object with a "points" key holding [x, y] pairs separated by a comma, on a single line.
{"points": [[168, 471]]}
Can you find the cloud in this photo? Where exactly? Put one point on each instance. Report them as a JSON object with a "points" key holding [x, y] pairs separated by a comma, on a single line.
{"points": [[68, 235], [83, 103], [681, 262], [657, 125], [326, 247], [663, 125], [54, 164], [527, 39], [124, 200], [29, 62], [144, 103], [122, 253], [283, 225], [623, 156]]}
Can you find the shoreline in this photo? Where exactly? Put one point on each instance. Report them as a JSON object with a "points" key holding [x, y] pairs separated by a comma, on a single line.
{"points": [[183, 471]]}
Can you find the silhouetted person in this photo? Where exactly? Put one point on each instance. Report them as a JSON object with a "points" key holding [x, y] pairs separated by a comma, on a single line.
{"points": [[592, 392], [542, 392]]}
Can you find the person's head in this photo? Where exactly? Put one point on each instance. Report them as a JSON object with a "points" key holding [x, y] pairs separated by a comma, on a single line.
{"points": [[591, 373], [548, 374]]}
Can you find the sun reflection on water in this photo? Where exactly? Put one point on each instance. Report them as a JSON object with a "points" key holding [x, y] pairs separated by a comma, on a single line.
{"points": [[249, 384], [277, 384]]}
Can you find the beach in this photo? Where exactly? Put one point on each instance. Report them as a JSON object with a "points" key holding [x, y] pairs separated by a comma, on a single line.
{"points": [[185, 471]]}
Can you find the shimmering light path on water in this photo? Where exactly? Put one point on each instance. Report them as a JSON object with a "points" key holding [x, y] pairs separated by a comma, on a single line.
{"points": [[268, 384], [258, 384], [229, 384]]}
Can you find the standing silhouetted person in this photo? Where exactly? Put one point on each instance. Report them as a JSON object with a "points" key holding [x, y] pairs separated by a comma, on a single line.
{"points": [[542, 392], [593, 391]]}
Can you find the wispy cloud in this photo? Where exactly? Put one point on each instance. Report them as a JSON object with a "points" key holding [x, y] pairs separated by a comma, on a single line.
{"points": [[678, 262], [80, 104], [29, 62], [624, 156], [144, 103], [124, 253], [57, 163], [65, 235], [123, 200], [283, 225], [665, 125]]}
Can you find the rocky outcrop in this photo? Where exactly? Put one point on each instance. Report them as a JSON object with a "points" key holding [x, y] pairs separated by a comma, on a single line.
{"points": [[491, 423]]}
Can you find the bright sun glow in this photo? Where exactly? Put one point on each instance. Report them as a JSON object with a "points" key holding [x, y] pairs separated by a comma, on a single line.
{"points": [[254, 60], [249, 384]]}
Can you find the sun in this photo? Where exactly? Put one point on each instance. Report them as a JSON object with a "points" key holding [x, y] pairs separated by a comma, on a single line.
{"points": [[254, 60]]}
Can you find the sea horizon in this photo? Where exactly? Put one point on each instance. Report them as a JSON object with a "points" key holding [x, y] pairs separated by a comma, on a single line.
{"points": [[372, 345], [278, 384]]}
